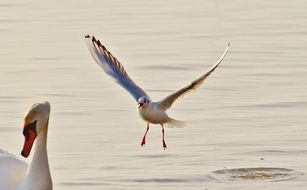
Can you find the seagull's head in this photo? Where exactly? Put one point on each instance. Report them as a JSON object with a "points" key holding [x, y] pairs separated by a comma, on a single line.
{"points": [[143, 101]]}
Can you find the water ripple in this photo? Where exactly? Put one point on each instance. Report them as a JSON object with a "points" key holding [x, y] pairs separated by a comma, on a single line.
{"points": [[255, 174]]}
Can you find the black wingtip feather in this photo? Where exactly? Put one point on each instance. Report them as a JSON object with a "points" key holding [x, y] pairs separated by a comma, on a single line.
{"points": [[87, 36], [94, 39]]}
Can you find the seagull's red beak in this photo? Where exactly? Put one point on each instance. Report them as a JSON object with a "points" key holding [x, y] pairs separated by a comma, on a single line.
{"points": [[30, 134], [140, 104]]}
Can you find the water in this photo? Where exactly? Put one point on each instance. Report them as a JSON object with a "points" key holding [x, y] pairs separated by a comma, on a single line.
{"points": [[251, 113]]}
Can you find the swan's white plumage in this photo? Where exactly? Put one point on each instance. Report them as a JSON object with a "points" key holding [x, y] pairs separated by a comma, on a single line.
{"points": [[13, 171]]}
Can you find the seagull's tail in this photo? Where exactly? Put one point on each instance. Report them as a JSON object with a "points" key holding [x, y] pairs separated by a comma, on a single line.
{"points": [[174, 123]]}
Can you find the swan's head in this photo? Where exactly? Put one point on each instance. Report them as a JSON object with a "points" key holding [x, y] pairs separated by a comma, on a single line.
{"points": [[143, 101], [35, 121]]}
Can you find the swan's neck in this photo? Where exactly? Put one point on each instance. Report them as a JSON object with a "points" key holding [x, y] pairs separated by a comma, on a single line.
{"points": [[39, 174]]}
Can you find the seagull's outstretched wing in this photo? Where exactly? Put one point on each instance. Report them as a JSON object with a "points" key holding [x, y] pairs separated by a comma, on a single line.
{"points": [[167, 102], [113, 67]]}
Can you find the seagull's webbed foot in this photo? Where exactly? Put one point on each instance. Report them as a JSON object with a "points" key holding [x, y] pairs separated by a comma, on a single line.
{"points": [[163, 141], [143, 141], [144, 138], [164, 145]]}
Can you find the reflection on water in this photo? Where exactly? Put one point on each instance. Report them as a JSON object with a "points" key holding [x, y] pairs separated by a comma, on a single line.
{"points": [[253, 106]]}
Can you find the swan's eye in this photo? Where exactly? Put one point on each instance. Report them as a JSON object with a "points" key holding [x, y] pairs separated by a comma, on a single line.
{"points": [[25, 132], [31, 126]]}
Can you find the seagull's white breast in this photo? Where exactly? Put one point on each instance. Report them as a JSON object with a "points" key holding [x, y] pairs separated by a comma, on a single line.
{"points": [[150, 113]]}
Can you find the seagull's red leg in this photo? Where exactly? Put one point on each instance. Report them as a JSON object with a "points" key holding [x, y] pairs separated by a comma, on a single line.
{"points": [[144, 138], [164, 144]]}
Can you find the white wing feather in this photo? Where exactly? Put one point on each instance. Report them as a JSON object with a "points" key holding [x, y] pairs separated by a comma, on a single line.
{"points": [[13, 171], [113, 67], [167, 102]]}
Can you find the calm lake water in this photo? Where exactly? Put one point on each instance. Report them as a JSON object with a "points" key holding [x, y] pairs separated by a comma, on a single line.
{"points": [[250, 113]]}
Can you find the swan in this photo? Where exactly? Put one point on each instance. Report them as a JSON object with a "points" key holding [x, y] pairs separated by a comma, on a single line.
{"points": [[14, 173]]}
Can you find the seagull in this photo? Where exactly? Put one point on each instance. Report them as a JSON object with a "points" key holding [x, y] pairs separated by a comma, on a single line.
{"points": [[153, 112]]}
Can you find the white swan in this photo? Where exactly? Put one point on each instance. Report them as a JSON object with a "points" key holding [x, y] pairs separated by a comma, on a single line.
{"points": [[13, 171]]}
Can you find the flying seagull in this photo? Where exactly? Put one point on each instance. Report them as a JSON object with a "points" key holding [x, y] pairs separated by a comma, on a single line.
{"points": [[153, 112]]}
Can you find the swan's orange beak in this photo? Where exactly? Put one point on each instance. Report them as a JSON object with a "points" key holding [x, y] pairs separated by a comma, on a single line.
{"points": [[30, 134]]}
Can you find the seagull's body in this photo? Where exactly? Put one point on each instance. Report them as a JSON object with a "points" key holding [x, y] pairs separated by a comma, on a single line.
{"points": [[152, 114], [150, 111]]}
